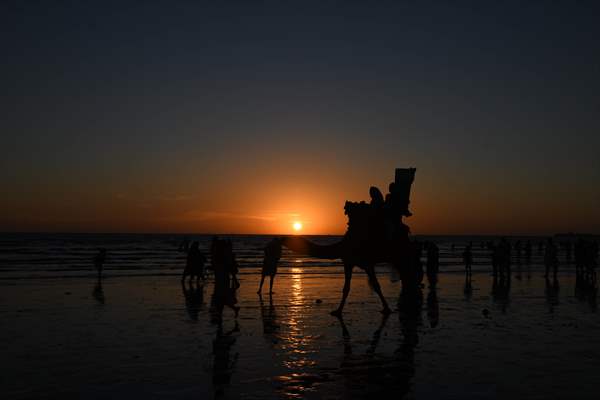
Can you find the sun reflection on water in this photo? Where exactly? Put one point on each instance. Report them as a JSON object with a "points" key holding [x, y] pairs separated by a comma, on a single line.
{"points": [[298, 346]]}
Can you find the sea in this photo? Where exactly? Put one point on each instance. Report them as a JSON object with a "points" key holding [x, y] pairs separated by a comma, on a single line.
{"points": [[70, 255]]}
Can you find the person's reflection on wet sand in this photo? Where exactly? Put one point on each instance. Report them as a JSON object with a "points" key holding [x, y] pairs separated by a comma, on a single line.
{"points": [[551, 292], [501, 292], [98, 292], [223, 361], [268, 315], [193, 293], [410, 304], [468, 288], [433, 308], [586, 291]]}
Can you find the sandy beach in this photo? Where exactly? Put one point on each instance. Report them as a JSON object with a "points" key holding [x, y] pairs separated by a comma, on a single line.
{"points": [[147, 336]]}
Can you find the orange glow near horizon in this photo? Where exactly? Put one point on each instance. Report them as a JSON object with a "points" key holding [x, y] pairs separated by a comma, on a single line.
{"points": [[271, 200]]}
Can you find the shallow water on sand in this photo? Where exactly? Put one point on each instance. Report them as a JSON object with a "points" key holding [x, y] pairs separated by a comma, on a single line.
{"points": [[148, 336]]}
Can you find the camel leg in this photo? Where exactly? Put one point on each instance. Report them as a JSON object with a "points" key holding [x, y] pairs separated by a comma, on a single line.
{"points": [[345, 291], [375, 283]]}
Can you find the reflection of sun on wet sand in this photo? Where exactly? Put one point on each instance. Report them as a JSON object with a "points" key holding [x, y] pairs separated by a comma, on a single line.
{"points": [[151, 329]]}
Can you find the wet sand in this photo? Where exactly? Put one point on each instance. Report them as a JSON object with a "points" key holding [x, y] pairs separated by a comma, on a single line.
{"points": [[145, 336]]}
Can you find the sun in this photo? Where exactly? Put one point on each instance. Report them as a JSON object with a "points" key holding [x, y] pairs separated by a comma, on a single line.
{"points": [[297, 226]]}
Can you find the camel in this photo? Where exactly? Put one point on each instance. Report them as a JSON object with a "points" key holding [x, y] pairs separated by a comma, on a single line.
{"points": [[366, 244]]}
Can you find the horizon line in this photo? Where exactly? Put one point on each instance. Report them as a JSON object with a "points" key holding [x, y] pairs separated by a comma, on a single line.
{"points": [[289, 234]]}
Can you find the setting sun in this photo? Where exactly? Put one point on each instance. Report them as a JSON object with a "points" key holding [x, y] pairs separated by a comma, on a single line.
{"points": [[297, 225]]}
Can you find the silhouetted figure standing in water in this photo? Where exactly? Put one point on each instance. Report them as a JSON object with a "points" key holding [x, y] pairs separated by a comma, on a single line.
{"points": [[224, 294], [518, 248], [184, 246], [528, 251], [468, 258], [418, 263], [568, 250], [504, 257], [99, 260], [272, 256], [494, 255], [580, 256], [433, 263], [231, 264], [194, 266], [551, 258]]}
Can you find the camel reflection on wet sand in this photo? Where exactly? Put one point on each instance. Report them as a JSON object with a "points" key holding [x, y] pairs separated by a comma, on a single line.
{"points": [[365, 372], [378, 374]]}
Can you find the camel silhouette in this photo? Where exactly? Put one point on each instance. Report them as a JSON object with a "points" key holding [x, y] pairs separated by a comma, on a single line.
{"points": [[366, 244]]}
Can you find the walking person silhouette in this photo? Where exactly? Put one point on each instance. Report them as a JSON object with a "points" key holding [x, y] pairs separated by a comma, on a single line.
{"points": [[468, 258], [194, 266], [272, 256], [99, 260], [551, 257]]}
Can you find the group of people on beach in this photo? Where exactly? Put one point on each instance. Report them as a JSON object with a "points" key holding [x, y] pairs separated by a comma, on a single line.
{"points": [[225, 268], [586, 259], [503, 253]]}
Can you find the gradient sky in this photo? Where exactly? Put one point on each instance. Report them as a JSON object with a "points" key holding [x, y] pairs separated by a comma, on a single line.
{"points": [[242, 117]]}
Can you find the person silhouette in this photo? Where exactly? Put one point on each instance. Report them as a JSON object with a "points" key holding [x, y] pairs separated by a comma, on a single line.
{"points": [[528, 251], [231, 264], [580, 253], [495, 257], [433, 263], [468, 259], [184, 246], [376, 197], [99, 260], [194, 267], [270, 261], [504, 261], [551, 257], [224, 293]]}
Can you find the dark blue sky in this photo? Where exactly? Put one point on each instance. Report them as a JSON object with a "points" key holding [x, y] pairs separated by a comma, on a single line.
{"points": [[497, 105]]}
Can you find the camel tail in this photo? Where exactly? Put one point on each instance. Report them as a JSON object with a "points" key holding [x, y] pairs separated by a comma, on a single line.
{"points": [[304, 246]]}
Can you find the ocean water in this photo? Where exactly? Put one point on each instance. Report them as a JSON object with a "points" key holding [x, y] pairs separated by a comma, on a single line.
{"points": [[38, 255]]}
